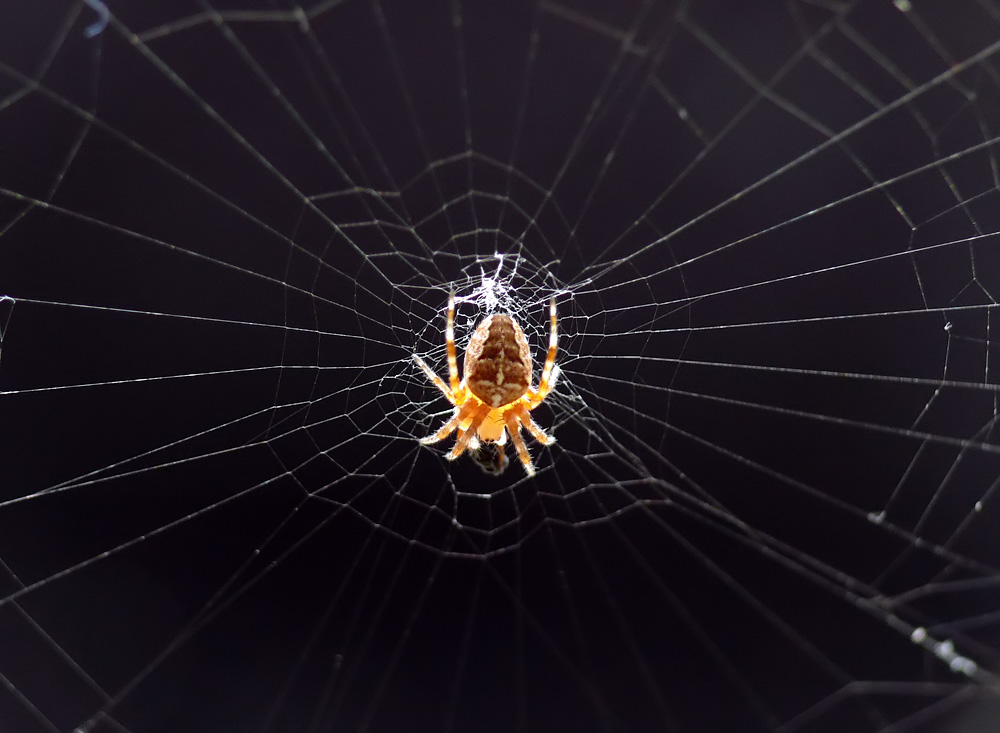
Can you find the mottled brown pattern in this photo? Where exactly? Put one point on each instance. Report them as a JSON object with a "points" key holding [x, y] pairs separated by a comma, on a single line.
{"points": [[498, 362]]}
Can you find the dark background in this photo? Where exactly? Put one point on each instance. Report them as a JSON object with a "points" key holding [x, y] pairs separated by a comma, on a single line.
{"points": [[771, 230]]}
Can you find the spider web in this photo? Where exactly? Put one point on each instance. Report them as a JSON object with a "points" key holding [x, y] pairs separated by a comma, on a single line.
{"points": [[227, 227]]}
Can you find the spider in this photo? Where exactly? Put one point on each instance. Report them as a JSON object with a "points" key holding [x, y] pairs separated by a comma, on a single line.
{"points": [[495, 397]]}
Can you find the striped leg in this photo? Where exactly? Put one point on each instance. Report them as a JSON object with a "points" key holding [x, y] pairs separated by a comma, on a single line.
{"points": [[514, 428]]}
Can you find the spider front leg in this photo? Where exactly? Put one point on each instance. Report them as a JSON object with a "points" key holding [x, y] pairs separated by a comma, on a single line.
{"points": [[460, 415], [540, 435], [514, 428], [478, 415]]}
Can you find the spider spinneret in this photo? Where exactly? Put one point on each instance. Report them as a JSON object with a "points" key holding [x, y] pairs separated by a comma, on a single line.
{"points": [[495, 395]]}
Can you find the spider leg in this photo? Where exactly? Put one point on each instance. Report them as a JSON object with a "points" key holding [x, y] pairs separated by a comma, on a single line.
{"points": [[547, 380], [479, 414], [514, 428], [460, 414], [449, 340], [438, 382], [540, 435]]}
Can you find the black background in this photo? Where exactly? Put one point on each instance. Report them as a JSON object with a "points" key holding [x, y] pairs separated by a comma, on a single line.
{"points": [[770, 228]]}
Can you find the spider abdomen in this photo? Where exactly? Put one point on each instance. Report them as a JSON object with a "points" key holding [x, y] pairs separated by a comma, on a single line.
{"points": [[498, 361]]}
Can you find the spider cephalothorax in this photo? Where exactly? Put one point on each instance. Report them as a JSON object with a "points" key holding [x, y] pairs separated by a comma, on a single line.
{"points": [[495, 396]]}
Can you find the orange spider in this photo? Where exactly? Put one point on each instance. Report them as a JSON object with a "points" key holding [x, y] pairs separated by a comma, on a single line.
{"points": [[496, 395]]}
